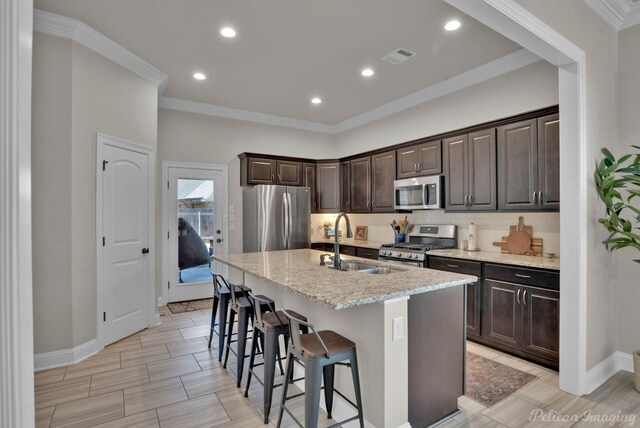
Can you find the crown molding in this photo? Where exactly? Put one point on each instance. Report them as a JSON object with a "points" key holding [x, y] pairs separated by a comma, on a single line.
{"points": [[620, 14], [61, 26], [246, 115], [500, 66]]}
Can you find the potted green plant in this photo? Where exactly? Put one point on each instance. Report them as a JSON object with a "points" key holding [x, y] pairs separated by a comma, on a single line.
{"points": [[618, 183]]}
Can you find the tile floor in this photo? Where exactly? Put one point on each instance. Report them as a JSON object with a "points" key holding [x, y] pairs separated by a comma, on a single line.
{"points": [[167, 377]]}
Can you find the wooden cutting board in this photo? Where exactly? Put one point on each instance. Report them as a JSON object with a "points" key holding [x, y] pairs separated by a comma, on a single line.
{"points": [[536, 246], [519, 241]]}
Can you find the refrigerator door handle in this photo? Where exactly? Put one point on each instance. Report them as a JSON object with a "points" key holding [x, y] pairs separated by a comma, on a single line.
{"points": [[290, 215], [285, 218]]}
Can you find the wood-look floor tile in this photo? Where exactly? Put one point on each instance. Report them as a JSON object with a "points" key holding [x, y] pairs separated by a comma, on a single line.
{"points": [[43, 417], [171, 368], [144, 355], [235, 404], [199, 331], [161, 338], [187, 347], [118, 379], [89, 412], [205, 411], [201, 319], [480, 421], [61, 392], [482, 350], [609, 386], [511, 412], [207, 382], [176, 323], [153, 395], [253, 421], [150, 330], [609, 406], [626, 390], [49, 376], [97, 364], [209, 359], [128, 344], [147, 419]]}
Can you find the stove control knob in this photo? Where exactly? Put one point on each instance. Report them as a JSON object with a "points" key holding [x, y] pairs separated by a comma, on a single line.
{"points": [[398, 254], [415, 256]]}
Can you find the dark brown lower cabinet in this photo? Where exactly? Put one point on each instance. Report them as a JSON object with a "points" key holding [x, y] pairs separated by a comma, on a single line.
{"points": [[511, 308], [367, 253], [523, 318]]}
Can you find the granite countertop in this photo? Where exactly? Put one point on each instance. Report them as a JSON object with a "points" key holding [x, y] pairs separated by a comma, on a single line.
{"points": [[350, 241], [299, 272], [508, 259]]}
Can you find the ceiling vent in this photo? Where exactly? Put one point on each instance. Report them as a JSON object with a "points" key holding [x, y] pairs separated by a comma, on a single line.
{"points": [[398, 56]]}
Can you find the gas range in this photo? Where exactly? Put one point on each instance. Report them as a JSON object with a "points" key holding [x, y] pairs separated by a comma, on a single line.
{"points": [[422, 238]]}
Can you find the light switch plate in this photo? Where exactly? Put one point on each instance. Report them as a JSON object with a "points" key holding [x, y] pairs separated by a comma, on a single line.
{"points": [[397, 328]]}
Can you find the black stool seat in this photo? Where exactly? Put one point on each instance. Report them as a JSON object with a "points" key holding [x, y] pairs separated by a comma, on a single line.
{"points": [[278, 319]]}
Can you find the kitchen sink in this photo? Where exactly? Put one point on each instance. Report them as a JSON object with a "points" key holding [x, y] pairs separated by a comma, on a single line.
{"points": [[366, 268]]}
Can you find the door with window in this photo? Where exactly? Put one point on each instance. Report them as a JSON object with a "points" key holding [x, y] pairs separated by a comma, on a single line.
{"points": [[194, 211]]}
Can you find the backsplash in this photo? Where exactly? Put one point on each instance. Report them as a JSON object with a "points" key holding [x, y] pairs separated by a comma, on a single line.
{"points": [[491, 226]]}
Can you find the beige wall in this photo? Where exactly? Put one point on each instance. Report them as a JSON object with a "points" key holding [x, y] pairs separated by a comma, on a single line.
{"points": [[190, 137], [582, 26], [522, 90], [89, 94], [629, 106], [51, 193]]}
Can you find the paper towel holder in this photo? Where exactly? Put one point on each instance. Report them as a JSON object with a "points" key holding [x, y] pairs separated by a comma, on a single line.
{"points": [[472, 239]]}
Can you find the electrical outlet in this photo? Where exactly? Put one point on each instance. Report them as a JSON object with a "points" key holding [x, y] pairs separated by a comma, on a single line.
{"points": [[397, 328], [232, 209]]}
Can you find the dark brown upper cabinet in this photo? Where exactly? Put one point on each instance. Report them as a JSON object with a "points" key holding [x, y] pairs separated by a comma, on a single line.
{"points": [[525, 150], [383, 174], [309, 180], [549, 162], [257, 171], [421, 159], [345, 186], [289, 173], [470, 171], [328, 187], [360, 185]]}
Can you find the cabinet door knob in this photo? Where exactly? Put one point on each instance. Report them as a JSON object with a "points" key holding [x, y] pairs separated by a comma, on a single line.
{"points": [[145, 251], [540, 197], [518, 296], [470, 200], [535, 195], [519, 275], [524, 297]]}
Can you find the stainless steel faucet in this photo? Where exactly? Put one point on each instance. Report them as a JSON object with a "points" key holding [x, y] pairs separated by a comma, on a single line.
{"points": [[336, 246]]}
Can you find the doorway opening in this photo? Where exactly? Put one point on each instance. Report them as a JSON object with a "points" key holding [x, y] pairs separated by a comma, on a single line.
{"points": [[194, 219]]}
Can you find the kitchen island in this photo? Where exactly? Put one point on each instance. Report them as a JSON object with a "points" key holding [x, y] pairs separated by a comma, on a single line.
{"points": [[408, 326]]}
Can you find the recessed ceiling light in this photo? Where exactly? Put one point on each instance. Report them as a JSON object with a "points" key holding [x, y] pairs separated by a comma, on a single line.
{"points": [[199, 76], [452, 25], [316, 100], [228, 32], [367, 72]]}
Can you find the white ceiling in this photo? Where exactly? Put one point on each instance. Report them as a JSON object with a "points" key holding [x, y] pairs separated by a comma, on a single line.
{"points": [[288, 51]]}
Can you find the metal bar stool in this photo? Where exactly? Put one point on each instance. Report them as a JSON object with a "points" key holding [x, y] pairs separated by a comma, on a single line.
{"points": [[320, 352], [242, 306], [221, 296], [268, 328]]}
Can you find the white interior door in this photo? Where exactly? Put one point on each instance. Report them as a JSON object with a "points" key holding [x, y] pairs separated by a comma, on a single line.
{"points": [[124, 285], [195, 206]]}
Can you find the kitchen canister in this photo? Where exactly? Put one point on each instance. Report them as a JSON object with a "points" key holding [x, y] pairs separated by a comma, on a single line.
{"points": [[473, 237]]}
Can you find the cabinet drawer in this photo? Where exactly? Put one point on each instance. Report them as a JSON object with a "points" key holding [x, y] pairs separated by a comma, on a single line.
{"points": [[455, 265], [345, 249], [535, 277], [367, 253]]}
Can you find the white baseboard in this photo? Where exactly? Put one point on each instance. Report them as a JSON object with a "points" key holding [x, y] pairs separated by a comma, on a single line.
{"points": [[156, 320], [161, 301], [64, 357], [607, 368]]}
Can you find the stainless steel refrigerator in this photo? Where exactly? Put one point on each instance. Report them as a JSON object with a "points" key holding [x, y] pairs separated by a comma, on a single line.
{"points": [[276, 218]]}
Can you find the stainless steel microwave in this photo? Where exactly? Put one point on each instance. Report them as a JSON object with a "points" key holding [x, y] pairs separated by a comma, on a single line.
{"points": [[420, 193]]}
